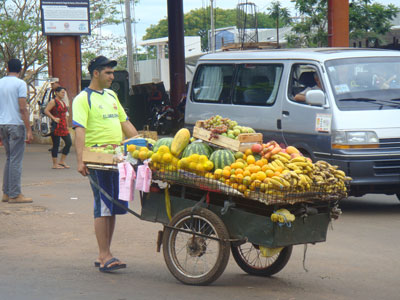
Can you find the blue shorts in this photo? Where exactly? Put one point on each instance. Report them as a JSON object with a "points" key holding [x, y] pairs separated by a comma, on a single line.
{"points": [[109, 181]]}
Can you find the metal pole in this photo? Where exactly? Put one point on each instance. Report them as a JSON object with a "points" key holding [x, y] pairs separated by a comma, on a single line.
{"points": [[212, 27], [129, 51]]}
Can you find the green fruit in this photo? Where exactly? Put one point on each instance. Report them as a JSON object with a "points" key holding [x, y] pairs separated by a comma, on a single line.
{"points": [[238, 154], [222, 158], [197, 147], [164, 141]]}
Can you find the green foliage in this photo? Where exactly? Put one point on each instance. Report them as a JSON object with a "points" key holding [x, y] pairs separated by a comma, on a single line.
{"points": [[369, 20], [280, 15], [312, 30], [20, 21], [197, 23], [366, 20]]}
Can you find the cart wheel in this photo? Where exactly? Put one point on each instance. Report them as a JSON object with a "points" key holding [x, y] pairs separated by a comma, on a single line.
{"points": [[193, 259], [250, 260]]}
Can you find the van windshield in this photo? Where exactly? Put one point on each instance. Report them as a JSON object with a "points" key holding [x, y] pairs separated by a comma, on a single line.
{"points": [[368, 83]]}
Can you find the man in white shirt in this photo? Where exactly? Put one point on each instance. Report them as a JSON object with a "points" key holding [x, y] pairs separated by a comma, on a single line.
{"points": [[14, 128]]}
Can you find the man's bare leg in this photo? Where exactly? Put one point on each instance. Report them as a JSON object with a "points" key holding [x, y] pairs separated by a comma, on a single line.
{"points": [[104, 229]]}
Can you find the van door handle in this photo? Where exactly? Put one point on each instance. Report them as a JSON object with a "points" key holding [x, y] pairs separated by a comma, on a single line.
{"points": [[285, 113]]}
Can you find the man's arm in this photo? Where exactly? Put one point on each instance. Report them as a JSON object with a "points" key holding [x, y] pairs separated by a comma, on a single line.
{"points": [[25, 117], [128, 129], [80, 133]]}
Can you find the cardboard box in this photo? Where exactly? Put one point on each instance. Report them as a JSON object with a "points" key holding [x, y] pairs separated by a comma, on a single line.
{"points": [[97, 157], [244, 141]]}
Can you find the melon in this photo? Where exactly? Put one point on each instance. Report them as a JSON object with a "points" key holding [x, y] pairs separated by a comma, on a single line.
{"points": [[222, 158], [197, 147], [167, 141]]}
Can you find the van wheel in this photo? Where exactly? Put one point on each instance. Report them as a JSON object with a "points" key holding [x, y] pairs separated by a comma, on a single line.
{"points": [[306, 154], [398, 196]]}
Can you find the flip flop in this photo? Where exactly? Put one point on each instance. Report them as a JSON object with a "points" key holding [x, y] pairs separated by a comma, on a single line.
{"points": [[58, 167], [107, 269], [64, 166]]}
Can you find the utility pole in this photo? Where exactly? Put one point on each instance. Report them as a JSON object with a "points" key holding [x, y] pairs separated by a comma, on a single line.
{"points": [[212, 27], [129, 50]]}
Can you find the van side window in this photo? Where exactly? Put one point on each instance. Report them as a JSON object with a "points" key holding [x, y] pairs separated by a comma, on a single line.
{"points": [[302, 79], [257, 84], [212, 83]]}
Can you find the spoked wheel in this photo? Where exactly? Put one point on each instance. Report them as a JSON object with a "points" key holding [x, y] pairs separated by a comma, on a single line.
{"points": [[195, 259], [248, 257]]}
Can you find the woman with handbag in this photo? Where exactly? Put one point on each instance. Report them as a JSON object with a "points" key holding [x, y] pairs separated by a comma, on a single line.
{"points": [[56, 110]]}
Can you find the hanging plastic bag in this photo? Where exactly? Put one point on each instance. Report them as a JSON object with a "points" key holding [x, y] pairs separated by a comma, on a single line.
{"points": [[127, 176], [143, 179]]}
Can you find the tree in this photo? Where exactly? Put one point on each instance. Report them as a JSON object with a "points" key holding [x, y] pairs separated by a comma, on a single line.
{"points": [[311, 31], [20, 20], [366, 20], [197, 22], [370, 20], [278, 13]]}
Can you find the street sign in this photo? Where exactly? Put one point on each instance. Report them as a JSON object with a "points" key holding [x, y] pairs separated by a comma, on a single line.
{"points": [[65, 17]]}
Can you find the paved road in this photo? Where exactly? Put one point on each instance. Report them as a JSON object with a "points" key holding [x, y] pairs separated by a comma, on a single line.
{"points": [[47, 250]]}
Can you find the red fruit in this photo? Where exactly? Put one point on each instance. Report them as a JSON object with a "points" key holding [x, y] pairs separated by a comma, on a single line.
{"points": [[293, 155], [256, 148]]}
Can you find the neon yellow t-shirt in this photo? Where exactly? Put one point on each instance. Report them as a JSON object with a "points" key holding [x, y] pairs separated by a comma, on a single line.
{"points": [[100, 114]]}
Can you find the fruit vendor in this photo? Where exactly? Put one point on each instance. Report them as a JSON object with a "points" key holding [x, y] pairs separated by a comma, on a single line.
{"points": [[98, 119]]}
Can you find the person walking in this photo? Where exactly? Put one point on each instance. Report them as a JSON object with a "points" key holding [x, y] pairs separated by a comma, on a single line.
{"points": [[98, 119], [57, 110], [14, 128]]}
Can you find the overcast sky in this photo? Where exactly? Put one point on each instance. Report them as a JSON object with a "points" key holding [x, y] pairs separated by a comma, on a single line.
{"points": [[149, 12]]}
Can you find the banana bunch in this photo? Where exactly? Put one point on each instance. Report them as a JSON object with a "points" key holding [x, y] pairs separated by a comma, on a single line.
{"points": [[295, 173], [332, 180]]}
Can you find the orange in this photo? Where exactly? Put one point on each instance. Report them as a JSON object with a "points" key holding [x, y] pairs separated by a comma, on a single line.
{"points": [[251, 159], [166, 158], [261, 175], [156, 157], [217, 173], [226, 173], [239, 178], [246, 173], [259, 163], [269, 173], [241, 188], [227, 168], [277, 173], [248, 152], [142, 155], [135, 154], [163, 149], [144, 149], [239, 171], [234, 185], [131, 148], [208, 165], [233, 178], [247, 180], [192, 165], [253, 176]]}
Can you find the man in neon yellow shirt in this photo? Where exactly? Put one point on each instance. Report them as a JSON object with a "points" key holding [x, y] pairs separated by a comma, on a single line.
{"points": [[98, 118]]}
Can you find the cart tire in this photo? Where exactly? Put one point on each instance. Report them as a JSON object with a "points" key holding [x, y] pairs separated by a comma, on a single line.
{"points": [[192, 259], [249, 259]]}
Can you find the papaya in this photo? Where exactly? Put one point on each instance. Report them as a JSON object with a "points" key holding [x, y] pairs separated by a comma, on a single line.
{"points": [[180, 141]]}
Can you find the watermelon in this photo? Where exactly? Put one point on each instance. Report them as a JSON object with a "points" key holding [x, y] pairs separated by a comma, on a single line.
{"points": [[222, 158], [197, 147], [164, 141]]}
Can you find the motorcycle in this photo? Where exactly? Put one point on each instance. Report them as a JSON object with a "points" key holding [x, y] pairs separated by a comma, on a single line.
{"points": [[161, 119]]}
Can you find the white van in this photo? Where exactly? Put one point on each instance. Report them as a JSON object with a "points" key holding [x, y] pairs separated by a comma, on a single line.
{"points": [[351, 120]]}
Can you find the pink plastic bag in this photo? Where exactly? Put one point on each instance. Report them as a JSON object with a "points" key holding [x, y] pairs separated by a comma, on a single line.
{"points": [[143, 179], [127, 176]]}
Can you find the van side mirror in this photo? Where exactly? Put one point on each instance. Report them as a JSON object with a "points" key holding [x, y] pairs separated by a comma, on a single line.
{"points": [[315, 97]]}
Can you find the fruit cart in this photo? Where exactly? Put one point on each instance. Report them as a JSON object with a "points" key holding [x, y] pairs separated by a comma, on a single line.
{"points": [[204, 220]]}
